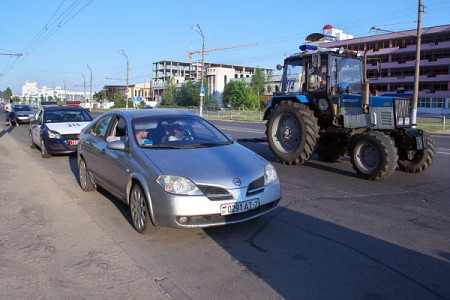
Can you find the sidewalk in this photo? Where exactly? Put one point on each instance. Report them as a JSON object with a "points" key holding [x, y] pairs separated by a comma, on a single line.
{"points": [[49, 248], [441, 132]]}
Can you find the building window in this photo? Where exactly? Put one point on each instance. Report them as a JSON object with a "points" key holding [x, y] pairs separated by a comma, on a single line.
{"points": [[424, 102]]}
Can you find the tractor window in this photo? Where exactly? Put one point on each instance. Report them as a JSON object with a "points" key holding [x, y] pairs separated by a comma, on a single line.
{"points": [[317, 73], [293, 77], [346, 73]]}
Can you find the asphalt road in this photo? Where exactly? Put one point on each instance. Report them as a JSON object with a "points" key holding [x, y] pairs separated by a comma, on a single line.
{"points": [[335, 236]]}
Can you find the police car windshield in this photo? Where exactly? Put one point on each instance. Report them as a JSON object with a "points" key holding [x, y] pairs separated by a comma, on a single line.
{"points": [[65, 116]]}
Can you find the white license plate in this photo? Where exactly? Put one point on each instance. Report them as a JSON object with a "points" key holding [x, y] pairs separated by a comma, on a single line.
{"points": [[238, 207], [73, 142]]}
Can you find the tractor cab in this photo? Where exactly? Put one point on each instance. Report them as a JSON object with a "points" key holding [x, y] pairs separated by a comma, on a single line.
{"points": [[325, 71]]}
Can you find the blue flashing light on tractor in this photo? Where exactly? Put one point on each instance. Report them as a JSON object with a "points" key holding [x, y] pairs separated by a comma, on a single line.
{"points": [[308, 48]]}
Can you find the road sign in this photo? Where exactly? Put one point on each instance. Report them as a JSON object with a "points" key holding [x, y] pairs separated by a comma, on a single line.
{"points": [[136, 99], [202, 91]]}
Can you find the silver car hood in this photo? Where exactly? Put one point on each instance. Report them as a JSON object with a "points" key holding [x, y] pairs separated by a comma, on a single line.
{"points": [[211, 165]]}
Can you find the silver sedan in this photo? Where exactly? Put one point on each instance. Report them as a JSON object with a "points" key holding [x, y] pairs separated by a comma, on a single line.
{"points": [[175, 169]]}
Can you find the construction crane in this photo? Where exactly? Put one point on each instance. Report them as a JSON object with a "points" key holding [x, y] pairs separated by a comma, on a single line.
{"points": [[217, 49]]}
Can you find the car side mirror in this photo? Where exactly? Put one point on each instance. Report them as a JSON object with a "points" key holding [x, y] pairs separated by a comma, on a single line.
{"points": [[35, 122], [116, 145]]}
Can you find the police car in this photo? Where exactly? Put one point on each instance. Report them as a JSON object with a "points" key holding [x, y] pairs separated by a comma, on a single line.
{"points": [[56, 127]]}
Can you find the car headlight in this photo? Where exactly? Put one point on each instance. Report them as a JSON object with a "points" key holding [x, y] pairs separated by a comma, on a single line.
{"points": [[53, 134], [178, 185], [270, 174]]}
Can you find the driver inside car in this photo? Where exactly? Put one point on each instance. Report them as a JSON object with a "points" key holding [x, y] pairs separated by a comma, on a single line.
{"points": [[177, 133]]}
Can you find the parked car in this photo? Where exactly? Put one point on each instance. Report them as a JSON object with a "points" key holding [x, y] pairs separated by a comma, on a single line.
{"points": [[24, 113], [55, 128], [197, 178]]}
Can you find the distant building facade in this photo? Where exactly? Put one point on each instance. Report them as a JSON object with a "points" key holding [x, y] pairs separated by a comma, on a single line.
{"points": [[31, 93], [397, 53], [217, 76]]}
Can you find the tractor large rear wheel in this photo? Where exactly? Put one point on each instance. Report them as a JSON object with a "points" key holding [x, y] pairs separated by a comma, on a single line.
{"points": [[422, 158], [373, 155], [292, 132]]}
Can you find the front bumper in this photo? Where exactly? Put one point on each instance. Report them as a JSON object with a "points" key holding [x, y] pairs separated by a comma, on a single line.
{"points": [[23, 118], [61, 146], [199, 211]]}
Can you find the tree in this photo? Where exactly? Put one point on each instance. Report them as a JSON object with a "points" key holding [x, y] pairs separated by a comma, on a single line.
{"points": [[100, 95], [188, 94], [169, 94], [238, 94], [6, 94], [257, 84]]}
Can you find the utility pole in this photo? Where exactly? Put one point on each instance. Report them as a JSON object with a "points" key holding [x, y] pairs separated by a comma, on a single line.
{"points": [[65, 91], [198, 29], [417, 63], [128, 71], [90, 87], [417, 66]]}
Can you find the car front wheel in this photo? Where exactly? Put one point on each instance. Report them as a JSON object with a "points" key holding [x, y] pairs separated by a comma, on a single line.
{"points": [[44, 152], [140, 214]]}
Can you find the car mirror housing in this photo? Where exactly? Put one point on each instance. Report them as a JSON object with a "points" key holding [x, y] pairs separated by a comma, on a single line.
{"points": [[117, 145]]}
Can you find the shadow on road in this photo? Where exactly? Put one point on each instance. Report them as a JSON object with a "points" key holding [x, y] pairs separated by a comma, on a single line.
{"points": [[302, 257]]}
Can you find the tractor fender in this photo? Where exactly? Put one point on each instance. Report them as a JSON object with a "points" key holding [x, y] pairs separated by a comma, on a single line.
{"points": [[298, 98]]}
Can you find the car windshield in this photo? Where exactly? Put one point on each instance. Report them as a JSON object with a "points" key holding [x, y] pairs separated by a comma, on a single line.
{"points": [[177, 132], [67, 115], [22, 108]]}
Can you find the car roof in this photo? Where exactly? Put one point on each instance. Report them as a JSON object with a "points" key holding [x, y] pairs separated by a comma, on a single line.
{"points": [[137, 113], [62, 107]]}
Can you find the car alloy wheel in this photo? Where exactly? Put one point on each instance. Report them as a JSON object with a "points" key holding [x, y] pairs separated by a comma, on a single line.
{"points": [[140, 215], [85, 177]]}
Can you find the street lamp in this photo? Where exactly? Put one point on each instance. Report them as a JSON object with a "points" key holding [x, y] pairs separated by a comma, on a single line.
{"points": [[84, 86], [128, 70], [198, 29], [90, 87]]}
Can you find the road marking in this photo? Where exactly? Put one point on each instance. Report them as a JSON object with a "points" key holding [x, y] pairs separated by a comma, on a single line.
{"points": [[240, 129]]}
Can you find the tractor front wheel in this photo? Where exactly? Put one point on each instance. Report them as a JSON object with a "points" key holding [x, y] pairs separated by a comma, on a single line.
{"points": [[422, 158], [373, 155]]}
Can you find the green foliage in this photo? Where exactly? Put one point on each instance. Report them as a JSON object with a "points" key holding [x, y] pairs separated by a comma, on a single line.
{"points": [[6, 94], [238, 94], [170, 92], [187, 95], [258, 82], [100, 95]]}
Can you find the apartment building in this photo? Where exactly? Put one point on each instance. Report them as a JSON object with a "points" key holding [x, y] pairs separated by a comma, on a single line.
{"points": [[397, 54]]}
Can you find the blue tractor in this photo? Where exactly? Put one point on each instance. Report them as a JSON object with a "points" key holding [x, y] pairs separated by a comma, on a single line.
{"points": [[324, 106]]}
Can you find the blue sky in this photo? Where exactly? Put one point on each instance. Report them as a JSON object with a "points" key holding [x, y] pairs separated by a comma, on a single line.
{"points": [[58, 38]]}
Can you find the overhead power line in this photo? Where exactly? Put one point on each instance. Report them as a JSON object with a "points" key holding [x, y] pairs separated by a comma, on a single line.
{"points": [[58, 19]]}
